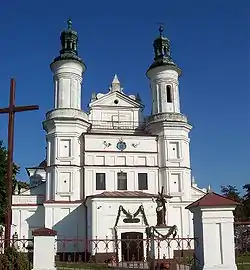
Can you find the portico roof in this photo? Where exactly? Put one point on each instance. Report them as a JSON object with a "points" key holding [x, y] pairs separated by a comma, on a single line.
{"points": [[212, 199], [125, 194]]}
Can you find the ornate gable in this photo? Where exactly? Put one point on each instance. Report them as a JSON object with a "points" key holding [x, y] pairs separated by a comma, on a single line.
{"points": [[115, 98]]}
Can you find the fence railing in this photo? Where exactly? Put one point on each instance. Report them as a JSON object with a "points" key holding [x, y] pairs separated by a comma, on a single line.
{"points": [[129, 253], [18, 256], [242, 245]]}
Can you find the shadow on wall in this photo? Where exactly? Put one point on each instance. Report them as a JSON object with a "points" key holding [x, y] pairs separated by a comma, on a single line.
{"points": [[71, 229], [38, 189], [36, 220], [71, 224]]}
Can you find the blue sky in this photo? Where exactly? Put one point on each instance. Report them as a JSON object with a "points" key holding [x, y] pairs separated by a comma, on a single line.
{"points": [[210, 41]]}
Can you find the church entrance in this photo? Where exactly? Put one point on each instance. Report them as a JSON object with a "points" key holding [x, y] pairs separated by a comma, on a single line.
{"points": [[132, 246]]}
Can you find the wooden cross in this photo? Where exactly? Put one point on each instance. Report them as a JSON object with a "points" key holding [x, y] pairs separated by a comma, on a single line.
{"points": [[11, 110], [161, 195]]}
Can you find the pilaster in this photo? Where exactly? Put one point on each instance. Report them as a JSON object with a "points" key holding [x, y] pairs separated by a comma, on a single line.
{"points": [[173, 152], [65, 129]]}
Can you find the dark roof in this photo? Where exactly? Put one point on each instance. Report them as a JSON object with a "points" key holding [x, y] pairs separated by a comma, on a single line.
{"points": [[43, 164], [212, 199], [44, 232], [125, 194]]}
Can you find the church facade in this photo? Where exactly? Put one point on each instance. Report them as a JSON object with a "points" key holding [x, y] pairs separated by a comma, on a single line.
{"points": [[105, 168]]}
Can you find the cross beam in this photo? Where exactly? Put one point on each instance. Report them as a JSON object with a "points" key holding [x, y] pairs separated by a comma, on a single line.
{"points": [[11, 110]]}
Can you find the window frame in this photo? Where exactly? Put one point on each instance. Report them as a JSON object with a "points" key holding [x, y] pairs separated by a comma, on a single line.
{"points": [[169, 93], [99, 187], [119, 179], [142, 184]]}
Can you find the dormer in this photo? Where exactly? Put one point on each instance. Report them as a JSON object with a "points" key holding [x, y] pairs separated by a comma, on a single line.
{"points": [[115, 110]]}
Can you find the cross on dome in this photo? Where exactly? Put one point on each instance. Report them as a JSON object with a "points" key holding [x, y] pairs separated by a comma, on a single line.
{"points": [[69, 23], [115, 85]]}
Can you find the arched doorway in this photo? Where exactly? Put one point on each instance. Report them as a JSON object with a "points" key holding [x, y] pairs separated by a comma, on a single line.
{"points": [[132, 246]]}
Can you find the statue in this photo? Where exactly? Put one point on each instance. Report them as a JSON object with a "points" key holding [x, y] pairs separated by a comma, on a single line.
{"points": [[161, 209]]}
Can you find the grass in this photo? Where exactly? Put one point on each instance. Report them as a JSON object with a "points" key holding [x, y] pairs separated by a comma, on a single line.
{"points": [[243, 266], [243, 262], [79, 266]]}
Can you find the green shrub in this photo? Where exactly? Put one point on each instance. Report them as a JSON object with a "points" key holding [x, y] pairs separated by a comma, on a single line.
{"points": [[12, 259]]}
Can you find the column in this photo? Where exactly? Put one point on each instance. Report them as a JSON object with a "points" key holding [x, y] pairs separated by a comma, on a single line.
{"points": [[44, 249]]}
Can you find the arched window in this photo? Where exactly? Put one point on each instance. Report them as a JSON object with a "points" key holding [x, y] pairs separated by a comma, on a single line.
{"points": [[169, 94]]}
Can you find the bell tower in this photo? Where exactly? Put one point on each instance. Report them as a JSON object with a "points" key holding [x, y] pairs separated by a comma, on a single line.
{"points": [[164, 78], [66, 123], [68, 68], [168, 123]]}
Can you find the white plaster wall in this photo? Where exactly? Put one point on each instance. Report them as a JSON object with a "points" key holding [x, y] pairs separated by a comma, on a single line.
{"points": [[27, 199], [107, 209], [115, 110], [67, 84], [146, 144], [114, 114], [66, 183], [68, 219], [177, 214], [111, 179], [160, 77], [140, 156], [27, 218], [38, 190], [65, 157], [174, 161]]}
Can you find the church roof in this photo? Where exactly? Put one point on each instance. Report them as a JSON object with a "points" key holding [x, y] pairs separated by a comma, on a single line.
{"points": [[125, 194], [212, 199]]}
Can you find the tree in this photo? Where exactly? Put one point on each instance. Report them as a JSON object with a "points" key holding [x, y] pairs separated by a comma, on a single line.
{"points": [[247, 192], [3, 171], [246, 200], [232, 193]]}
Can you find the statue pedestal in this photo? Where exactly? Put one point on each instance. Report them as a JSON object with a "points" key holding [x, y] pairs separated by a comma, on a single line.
{"points": [[162, 245]]}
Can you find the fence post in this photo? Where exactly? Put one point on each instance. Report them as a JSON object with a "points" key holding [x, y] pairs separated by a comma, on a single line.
{"points": [[44, 249], [213, 221]]}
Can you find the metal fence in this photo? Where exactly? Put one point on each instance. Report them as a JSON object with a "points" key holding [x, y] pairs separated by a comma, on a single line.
{"points": [[242, 244], [151, 253], [17, 256]]}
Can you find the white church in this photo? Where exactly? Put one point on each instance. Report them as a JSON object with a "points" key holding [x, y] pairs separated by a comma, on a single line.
{"points": [[105, 168]]}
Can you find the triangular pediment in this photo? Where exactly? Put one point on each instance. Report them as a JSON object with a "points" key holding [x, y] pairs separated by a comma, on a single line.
{"points": [[115, 99]]}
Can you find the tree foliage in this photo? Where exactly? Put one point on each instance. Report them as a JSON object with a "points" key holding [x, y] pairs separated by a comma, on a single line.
{"points": [[231, 192], [242, 211], [14, 259], [3, 171]]}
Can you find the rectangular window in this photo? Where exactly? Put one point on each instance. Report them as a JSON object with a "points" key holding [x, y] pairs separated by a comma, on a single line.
{"points": [[122, 181], [174, 150], [100, 181], [169, 94], [142, 181]]}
